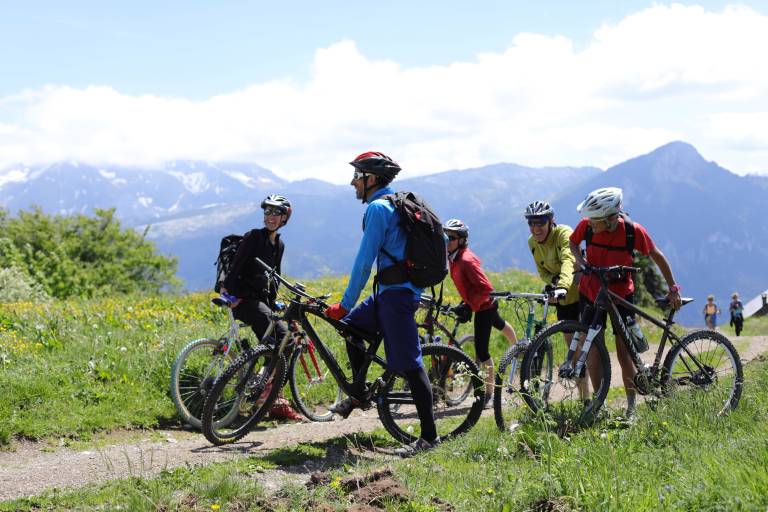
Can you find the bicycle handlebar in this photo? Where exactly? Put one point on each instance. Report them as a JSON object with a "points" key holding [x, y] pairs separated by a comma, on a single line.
{"points": [[514, 295], [296, 288]]}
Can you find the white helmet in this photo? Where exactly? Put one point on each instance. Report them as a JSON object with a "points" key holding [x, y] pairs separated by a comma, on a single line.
{"points": [[602, 202]]}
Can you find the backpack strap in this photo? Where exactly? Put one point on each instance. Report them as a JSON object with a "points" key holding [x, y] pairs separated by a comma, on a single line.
{"points": [[629, 232]]}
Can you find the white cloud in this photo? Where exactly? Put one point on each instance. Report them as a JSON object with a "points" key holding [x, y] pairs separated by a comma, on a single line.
{"points": [[665, 73]]}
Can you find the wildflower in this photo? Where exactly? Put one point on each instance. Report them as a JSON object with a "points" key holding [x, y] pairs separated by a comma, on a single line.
{"points": [[215, 506], [123, 349], [409, 429]]}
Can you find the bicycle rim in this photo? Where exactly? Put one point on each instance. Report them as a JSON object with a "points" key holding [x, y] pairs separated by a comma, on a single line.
{"points": [[247, 386], [704, 370], [570, 402], [506, 395], [449, 370], [313, 387], [193, 373], [467, 345]]}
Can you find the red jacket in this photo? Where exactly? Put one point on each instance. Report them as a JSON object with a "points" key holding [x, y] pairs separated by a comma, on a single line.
{"points": [[470, 280]]}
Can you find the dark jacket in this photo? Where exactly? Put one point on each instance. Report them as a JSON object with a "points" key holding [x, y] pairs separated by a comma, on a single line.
{"points": [[246, 278]]}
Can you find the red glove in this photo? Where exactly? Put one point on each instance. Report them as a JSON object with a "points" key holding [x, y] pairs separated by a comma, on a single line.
{"points": [[336, 311]]}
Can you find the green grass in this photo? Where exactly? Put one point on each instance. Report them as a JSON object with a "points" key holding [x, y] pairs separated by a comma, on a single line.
{"points": [[676, 457]]}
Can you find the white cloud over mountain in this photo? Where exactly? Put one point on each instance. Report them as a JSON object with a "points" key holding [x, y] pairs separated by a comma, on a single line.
{"points": [[664, 73]]}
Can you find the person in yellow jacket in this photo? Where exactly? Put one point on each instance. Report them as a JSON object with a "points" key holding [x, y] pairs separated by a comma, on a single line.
{"points": [[555, 262]]}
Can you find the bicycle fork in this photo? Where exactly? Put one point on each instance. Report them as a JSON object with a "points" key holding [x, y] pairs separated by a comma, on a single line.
{"points": [[567, 370]]}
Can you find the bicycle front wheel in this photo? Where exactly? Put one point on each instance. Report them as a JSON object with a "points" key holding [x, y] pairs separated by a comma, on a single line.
{"points": [[313, 387], [250, 385], [193, 373], [705, 369], [506, 393], [449, 371], [572, 402]]}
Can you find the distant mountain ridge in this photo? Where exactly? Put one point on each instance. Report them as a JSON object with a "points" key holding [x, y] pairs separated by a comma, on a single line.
{"points": [[705, 218]]}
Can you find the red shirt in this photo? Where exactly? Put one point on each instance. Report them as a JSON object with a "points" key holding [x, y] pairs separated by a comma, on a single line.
{"points": [[470, 280], [589, 284]]}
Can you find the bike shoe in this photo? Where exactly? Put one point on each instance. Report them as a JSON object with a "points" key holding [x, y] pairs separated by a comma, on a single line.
{"points": [[345, 407], [282, 410], [419, 445]]}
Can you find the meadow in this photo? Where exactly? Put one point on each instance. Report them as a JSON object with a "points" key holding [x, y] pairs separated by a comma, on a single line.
{"points": [[74, 368]]}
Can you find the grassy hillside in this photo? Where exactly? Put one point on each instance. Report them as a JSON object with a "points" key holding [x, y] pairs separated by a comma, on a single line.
{"points": [[74, 367]]}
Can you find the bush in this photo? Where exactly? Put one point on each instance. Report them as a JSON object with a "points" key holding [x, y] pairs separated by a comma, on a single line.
{"points": [[83, 256], [17, 286]]}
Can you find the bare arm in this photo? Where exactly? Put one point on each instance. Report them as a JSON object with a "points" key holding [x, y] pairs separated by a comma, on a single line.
{"points": [[661, 261], [580, 262]]}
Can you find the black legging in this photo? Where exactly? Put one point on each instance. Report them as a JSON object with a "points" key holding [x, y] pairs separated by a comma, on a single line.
{"points": [[257, 314], [484, 320]]}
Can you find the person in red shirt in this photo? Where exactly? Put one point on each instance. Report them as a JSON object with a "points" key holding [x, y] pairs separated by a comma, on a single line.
{"points": [[602, 209], [474, 288]]}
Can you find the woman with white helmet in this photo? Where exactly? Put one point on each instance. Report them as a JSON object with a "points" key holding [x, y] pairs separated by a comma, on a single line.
{"points": [[611, 239]]}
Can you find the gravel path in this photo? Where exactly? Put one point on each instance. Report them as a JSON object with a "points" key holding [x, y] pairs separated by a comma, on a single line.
{"points": [[32, 468]]}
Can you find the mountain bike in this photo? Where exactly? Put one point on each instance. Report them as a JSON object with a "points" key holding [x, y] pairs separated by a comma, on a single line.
{"points": [[198, 365], [701, 367], [448, 368], [506, 394], [432, 323]]}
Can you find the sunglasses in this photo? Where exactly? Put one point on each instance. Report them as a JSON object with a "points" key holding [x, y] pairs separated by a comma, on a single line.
{"points": [[453, 238], [359, 175], [273, 211], [538, 223]]}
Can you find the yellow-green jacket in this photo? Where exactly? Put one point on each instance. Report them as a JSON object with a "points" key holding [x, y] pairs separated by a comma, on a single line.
{"points": [[555, 262]]}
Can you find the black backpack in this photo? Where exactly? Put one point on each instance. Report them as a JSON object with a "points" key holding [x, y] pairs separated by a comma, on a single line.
{"points": [[629, 228], [426, 253], [227, 250]]}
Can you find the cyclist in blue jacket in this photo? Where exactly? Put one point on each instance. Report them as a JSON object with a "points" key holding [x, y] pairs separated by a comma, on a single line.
{"points": [[392, 314]]}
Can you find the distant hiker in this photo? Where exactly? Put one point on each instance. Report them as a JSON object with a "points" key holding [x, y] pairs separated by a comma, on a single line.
{"points": [[253, 297], [611, 238], [391, 308], [710, 312], [554, 260], [736, 309], [475, 288]]}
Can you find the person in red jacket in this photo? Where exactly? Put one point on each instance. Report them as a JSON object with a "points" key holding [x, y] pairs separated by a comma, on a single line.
{"points": [[474, 288]]}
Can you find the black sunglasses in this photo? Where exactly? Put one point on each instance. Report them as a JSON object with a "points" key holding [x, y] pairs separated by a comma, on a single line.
{"points": [[453, 238], [538, 223]]}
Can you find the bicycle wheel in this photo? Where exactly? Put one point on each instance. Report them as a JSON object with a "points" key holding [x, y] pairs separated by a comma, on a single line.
{"points": [[246, 386], [192, 376], [449, 370], [467, 345], [506, 394], [313, 387], [705, 369], [566, 400]]}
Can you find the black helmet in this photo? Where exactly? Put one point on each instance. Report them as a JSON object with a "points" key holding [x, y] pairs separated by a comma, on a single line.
{"points": [[374, 162], [280, 202], [457, 226], [539, 209]]}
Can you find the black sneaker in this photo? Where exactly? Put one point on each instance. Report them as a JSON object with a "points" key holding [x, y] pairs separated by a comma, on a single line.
{"points": [[345, 407], [418, 446]]}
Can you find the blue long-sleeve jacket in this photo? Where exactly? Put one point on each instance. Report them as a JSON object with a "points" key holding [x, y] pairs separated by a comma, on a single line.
{"points": [[381, 231]]}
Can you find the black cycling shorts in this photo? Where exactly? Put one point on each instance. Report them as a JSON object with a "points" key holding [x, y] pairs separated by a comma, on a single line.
{"points": [[484, 320], [257, 314], [568, 311], [588, 310]]}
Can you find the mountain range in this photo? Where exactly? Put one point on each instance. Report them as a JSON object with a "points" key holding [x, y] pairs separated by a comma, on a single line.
{"points": [[705, 218]]}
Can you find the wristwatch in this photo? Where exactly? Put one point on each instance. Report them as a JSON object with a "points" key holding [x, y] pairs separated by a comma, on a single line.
{"points": [[675, 288]]}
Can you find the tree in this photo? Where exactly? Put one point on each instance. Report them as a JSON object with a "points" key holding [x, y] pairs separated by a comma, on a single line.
{"points": [[78, 255], [648, 282]]}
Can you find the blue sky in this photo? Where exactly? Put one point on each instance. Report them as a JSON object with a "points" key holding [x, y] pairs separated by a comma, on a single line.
{"points": [[301, 86]]}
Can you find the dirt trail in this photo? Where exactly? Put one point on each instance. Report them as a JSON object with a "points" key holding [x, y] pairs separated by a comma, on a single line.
{"points": [[35, 467]]}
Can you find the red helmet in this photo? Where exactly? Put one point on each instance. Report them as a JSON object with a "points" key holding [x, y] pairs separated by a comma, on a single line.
{"points": [[374, 162]]}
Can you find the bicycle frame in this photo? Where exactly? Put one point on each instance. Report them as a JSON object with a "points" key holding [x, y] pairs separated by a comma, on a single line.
{"points": [[432, 320]]}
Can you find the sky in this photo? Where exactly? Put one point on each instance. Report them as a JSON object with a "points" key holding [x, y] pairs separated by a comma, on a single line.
{"points": [[302, 87]]}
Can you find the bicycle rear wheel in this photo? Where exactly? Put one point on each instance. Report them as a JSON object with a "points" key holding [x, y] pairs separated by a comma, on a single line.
{"points": [[313, 387], [193, 373], [705, 369], [570, 402], [250, 385], [506, 396], [467, 345], [449, 370]]}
